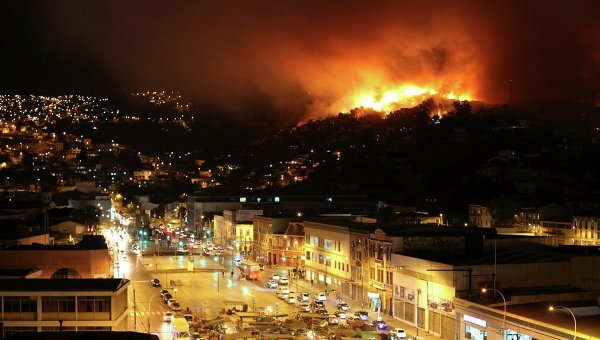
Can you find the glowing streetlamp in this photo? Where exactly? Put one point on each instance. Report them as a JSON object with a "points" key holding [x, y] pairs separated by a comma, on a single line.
{"points": [[553, 308], [484, 290]]}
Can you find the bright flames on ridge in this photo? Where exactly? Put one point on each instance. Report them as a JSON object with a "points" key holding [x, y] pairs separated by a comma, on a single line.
{"points": [[406, 95]]}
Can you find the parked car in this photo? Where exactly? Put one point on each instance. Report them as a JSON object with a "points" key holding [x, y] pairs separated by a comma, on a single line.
{"points": [[340, 314], [321, 296], [304, 307], [379, 324], [363, 315], [290, 300], [399, 333], [188, 317], [155, 282], [322, 311], [333, 320], [303, 297], [168, 316], [272, 284], [284, 281], [274, 277], [283, 290], [343, 306]]}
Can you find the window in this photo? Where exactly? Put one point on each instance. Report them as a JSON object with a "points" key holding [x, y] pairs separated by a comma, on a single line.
{"points": [[91, 304], [320, 259], [60, 304], [328, 244], [18, 304], [66, 273], [308, 255], [328, 264]]}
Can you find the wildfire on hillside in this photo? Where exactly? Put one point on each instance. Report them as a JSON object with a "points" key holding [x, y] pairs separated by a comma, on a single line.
{"points": [[389, 99]]}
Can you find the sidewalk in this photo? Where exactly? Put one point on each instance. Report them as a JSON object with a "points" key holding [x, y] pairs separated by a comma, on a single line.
{"points": [[411, 331]]}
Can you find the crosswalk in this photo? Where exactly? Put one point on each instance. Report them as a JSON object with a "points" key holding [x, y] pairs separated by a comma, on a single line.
{"points": [[146, 313]]}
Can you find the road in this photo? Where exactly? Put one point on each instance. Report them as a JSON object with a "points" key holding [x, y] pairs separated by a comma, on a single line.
{"points": [[204, 289]]}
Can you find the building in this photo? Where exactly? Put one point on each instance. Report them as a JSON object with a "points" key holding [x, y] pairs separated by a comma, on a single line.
{"points": [[287, 248], [264, 228], [426, 286], [38, 305], [87, 259], [235, 228], [327, 252], [495, 319], [586, 230], [479, 216]]}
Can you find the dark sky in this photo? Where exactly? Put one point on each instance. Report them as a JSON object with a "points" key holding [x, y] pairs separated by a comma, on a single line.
{"points": [[301, 55]]}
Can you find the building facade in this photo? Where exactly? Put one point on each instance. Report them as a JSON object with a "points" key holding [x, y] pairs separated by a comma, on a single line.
{"points": [[327, 252], [39, 305]]}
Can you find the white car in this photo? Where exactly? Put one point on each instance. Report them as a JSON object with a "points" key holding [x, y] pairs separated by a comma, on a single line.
{"points": [[168, 317], [274, 277], [303, 297], [321, 296], [284, 281], [272, 284], [282, 290], [290, 300], [400, 333]]}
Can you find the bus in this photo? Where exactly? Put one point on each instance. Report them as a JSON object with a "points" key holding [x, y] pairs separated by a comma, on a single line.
{"points": [[249, 270]]}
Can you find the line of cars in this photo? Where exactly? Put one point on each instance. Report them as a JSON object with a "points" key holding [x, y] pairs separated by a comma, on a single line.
{"points": [[171, 302]]}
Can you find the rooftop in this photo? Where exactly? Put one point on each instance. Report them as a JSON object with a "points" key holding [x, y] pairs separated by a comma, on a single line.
{"points": [[63, 285], [89, 242]]}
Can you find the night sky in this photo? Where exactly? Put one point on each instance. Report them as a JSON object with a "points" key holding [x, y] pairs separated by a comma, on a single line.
{"points": [[301, 55]]}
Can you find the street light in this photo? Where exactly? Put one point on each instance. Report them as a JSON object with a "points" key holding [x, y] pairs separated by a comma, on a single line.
{"points": [[484, 290], [149, 303], [175, 290], [553, 308]]}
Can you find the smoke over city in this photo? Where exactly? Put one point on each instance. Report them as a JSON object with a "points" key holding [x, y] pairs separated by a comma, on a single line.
{"points": [[312, 57]]}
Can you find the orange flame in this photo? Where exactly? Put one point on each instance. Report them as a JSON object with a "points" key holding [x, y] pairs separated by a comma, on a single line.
{"points": [[393, 98]]}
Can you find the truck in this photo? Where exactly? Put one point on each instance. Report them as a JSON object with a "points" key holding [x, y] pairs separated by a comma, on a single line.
{"points": [[180, 328]]}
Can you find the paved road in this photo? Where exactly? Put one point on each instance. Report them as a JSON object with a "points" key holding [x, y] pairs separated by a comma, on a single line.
{"points": [[204, 289]]}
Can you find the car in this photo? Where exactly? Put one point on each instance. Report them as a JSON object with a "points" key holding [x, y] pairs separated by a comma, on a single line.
{"points": [[283, 296], [272, 284], [362, 314], [261, 266], [188, 317], [283, 290], [274, 277], [399, 333], [170, 302], [333, 320], [284, 281], [317, 304], [175, 306], [163, 292], [304, 307], [322, 311], [343, 306], [290, 300], [379, 324], [340, 314], [167, 297], [168, 316], [155, 282], [321, 296], [303, 297]]}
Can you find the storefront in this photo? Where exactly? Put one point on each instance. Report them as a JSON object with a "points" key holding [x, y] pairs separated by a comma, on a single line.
{"points": [[374, 300], [474, 328]]}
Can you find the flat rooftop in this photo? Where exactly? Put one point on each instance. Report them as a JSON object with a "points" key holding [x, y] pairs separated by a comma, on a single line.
{"points": [[89, 242], [61, 285]]}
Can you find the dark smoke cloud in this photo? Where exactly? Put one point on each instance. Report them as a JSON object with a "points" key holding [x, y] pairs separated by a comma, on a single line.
{"points": [[298, 56]]}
